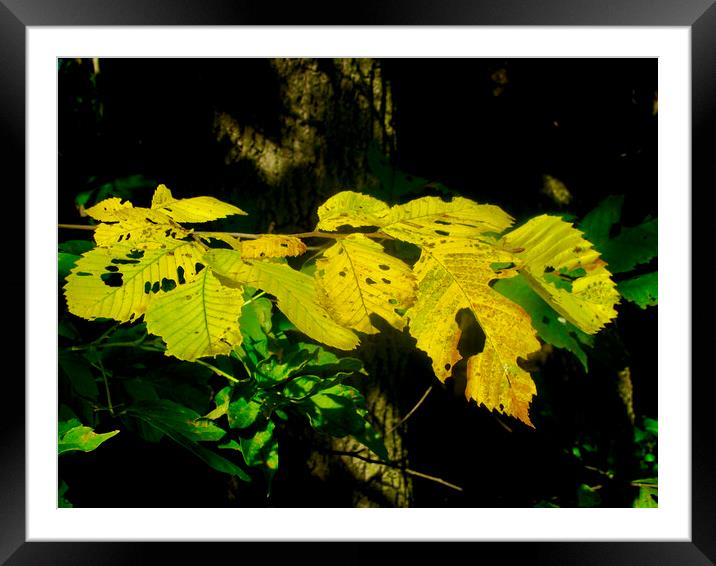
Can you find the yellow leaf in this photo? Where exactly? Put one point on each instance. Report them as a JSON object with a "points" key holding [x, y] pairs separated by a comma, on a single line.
{"points": [[417, 221], [429, 218], [295, 291], [119, 282], [108, 209], [270, 245], [138, 225], [454, 275], [197, 319], [349, 208], [233, 241], [357, 278], [566, 271], [196, 209]]}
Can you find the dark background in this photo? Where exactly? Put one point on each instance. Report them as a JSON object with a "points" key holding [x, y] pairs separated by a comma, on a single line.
{"points": [[587, 122]]}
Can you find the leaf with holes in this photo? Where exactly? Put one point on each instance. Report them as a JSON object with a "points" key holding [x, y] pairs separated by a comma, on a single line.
{"points": [[120, 282], [418, 221], [349, 208], [454, 275], [295, 292], [138, 225], [356, 278], [197, 319], [423, 220], [269, 245], [566, 271]]}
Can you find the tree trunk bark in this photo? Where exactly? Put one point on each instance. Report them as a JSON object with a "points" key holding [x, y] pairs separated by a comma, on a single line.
{"points": [[333, 111]]}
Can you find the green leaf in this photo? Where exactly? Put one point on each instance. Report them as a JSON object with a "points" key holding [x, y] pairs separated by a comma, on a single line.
{"points": [[217, 462], [302, 387], [222, 401], [642, 290], [587, 496], [633, 245], [167, 415], [647, 498], [597, 224], [79, 373], [73, 436], [186, 427], [75, 247], [261, 449], [62, 501], [339, 411], [243, 412], [545, 320], [65, 263]]}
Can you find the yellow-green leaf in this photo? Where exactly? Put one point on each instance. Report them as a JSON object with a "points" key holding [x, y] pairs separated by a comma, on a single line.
{"points": [[269, 245], [453, 275], [196, 209], [119, 282], [417, 221], [349, 208], [295, 291], [429, 218], [108, 210], [197, 319], [356, 278], [138, 225], [566, 271]]}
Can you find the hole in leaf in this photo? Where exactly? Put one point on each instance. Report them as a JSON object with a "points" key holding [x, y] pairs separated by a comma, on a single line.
{"points": [[147, 287], [393, 301], [136, 254], [198, 267], [155, 287], [442, 233], [386, 281], [283, 244], [448, 366], [384, 267], [545, 320], [502, 407], [180, 275], [342, 273], [150, 221], [124, 261], [112, 268], [168, 284], [369, 281], [112, 279], [120, 237], [167, 209], [83, 274], [442, 222], [127, 236]]}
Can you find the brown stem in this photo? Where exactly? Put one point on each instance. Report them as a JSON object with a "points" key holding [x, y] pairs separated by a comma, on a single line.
{"points": [[398, 467], [410, 413], [314, 234]]}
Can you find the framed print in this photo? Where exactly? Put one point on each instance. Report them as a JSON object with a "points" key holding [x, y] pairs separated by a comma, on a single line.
{"points": [[150, 122]]}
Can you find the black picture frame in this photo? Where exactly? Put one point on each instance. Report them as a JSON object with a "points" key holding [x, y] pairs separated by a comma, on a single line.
{"points": [[698, 15]]}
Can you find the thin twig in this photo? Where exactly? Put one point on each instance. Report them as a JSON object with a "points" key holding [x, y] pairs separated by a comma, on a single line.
{"points": [[415, 408], [408, 471]]}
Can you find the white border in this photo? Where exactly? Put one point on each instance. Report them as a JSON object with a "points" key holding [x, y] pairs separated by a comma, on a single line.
{"points": [[670, 522]]}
